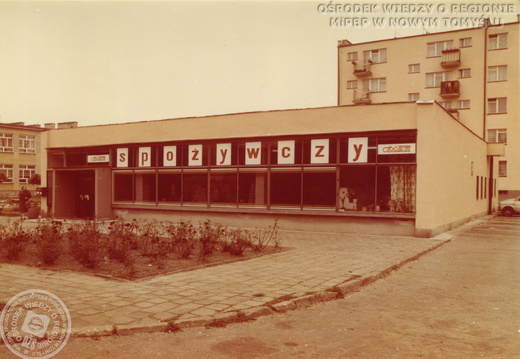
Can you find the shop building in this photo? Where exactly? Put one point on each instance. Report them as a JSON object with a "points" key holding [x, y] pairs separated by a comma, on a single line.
{"points": [[473, 73], [405, 168]]}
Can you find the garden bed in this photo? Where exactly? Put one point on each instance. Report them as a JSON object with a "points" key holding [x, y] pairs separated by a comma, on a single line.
{"points": [[132, 250]]}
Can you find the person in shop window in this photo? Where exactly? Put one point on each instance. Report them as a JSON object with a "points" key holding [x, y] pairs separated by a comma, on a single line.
{"points": [[24, 197]]}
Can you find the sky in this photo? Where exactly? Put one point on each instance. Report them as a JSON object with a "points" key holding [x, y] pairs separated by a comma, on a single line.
{"points": [[101, 62]]}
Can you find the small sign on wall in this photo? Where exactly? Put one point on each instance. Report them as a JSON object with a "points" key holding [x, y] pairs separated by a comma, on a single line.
{"points": [[195, 155], [320, 151], [396, 149], [98, 158], [286, 152], [170, 156], [145, 156]]}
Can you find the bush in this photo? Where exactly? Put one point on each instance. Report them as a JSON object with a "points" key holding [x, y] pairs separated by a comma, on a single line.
{"points": [[121, 239], [14, 239], [261, 238], [182, 237], [237, 242], [48, 238], [86, 243], [210, 237], [151, 241]]}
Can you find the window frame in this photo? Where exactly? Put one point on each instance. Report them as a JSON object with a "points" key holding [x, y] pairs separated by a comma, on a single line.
{"points": [[435, 49], [351, 82], [464, 73], [8, 139], [462, 42], [25, 172], [496, 72], [27, 144], [502, 168], [380, 82], [494, 135], [381, 55], [496, 44], [414, 68], [495, 104], [436, 76]]}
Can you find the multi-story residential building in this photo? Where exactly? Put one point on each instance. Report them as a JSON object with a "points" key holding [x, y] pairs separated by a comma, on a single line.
{"points": [[20, 156], [473, 73]]}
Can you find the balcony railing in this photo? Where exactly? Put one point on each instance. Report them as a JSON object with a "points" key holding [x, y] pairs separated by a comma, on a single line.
{"points": [[450, 58], [362, 97], [362, 71], [450, 89]]}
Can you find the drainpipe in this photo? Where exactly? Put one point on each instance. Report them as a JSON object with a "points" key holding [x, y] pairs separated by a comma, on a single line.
{"points": [[490, 186], [484, 122]]}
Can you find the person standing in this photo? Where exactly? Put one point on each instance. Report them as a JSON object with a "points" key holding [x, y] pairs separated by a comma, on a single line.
{"points": [[24, 196]]}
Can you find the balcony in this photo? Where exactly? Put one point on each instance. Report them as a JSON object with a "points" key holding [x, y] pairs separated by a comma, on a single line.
{"points": [[361, 97], [450, 58], [362, 72], [450, 89]]}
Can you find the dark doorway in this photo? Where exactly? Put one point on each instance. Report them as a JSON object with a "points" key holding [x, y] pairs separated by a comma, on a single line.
{"points": [[85, 194]]}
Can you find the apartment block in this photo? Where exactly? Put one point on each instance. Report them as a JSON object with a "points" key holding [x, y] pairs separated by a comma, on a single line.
{"points": [[472, 73]]}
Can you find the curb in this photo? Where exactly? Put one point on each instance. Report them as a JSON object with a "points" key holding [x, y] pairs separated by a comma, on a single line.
{"points": [[222, 319]]}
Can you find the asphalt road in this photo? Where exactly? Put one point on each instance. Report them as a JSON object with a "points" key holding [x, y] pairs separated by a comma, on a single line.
{"points": [[460, 301]]}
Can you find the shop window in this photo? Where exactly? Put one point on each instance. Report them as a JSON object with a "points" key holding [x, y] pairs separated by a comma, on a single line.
{"points": [[252, 187], [76, 159], [286, 188], [169, 187], [358, 184], [145, 187], [396, 189], [319, 188], [195, 187], [123, 187], [223, 187], [55, 160]]}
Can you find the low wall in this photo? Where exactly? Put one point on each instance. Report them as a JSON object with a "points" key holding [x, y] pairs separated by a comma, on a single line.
{"points": [[312, 222]]}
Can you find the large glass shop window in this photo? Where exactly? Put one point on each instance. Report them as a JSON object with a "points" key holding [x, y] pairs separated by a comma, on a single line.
{"points": [[195, 187], [286, 187], [357, 188], [170, 186], [223, 185], [252, 187], [123, 187], [319, 188], [145, 187], [396, 188]]}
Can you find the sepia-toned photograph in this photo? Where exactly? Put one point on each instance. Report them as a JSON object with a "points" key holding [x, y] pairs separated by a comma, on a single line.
{"points": [[259, 179]]}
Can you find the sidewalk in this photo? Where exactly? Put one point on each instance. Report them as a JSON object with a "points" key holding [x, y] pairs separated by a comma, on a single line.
{"points": [[320, 267]]}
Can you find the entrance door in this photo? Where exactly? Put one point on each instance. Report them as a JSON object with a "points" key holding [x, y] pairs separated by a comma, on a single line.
{"points": [[85, 194]]}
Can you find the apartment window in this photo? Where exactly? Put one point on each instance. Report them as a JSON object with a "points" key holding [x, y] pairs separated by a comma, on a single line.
{"points": [[6, 142], [497, 105], [414, 68], [352, 84], [463, 104], [497, 135], [375, 56], [436, 48], [465, 42], [446, 104], [497, 41], [375, 85], [413, 96], [464, 73], [434, 79], [7, 170], [497, 73], [25, 173], [502, 168], [27, 144], [352, 56]]}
